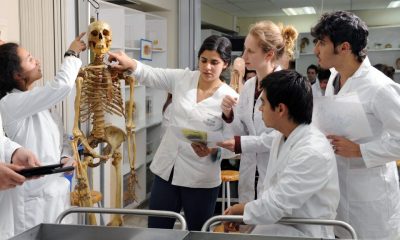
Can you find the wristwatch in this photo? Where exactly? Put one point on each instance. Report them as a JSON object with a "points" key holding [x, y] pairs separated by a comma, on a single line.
{"points": [[71, 53]]}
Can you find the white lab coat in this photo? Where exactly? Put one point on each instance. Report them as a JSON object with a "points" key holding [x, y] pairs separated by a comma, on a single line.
{"points": [[28, 122], [189, 169], [370, 195], [301, 182], [256, 140], [316, 89], [7, 148]]}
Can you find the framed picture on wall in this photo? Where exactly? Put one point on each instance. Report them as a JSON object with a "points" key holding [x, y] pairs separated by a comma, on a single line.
{"points": [[146, 49]]}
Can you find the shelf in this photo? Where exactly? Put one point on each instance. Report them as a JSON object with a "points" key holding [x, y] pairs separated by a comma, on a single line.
{"points": [[129, 26], [152, 121], [307, 54], [136, 86], [158, 50], [150, 157], [384, 50], [129, 49], [126, 168]]}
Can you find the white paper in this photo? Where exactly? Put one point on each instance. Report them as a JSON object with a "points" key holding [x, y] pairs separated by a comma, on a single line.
{"points": [[192, 135], [341, 116]]}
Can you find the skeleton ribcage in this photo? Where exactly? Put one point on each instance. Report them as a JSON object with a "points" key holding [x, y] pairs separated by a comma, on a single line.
{"points": [[101, 94]]}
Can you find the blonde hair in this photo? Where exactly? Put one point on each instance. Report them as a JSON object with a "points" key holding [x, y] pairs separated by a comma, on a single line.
{"points": [[278, 38]]}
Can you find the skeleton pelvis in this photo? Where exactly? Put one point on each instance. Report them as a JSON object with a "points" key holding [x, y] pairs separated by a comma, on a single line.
{"points": [[114, 136]]}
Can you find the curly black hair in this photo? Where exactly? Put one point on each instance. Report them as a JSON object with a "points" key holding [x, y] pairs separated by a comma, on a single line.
{"points": [[340, 27], [10, 64]]}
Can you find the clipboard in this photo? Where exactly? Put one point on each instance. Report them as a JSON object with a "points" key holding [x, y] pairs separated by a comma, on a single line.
{"points": [[44, 170]]}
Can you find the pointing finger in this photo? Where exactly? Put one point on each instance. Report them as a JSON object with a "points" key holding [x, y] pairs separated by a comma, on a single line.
{"points": [[80, 36]]}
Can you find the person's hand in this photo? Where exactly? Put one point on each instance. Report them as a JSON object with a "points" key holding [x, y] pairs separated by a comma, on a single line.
{"points": [[67, 162], [125, 63], [201, 149], [8, 176], [227, 104], [237, 209], [24, 157], [78, 45], [344, 147], [2, 42], [228, 144]]}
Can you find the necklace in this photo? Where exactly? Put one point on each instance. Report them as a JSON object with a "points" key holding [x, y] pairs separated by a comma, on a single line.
{"points": [[203, 94]]}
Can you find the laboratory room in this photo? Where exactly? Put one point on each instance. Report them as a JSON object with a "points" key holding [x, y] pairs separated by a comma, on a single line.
{"points": [[199, 119]]}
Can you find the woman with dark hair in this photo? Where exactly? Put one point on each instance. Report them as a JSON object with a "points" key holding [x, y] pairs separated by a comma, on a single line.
{"points": [[28, 121], [187, 176]]}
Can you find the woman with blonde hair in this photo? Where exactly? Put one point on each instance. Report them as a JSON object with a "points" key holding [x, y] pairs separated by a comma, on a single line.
{"points": [[264, 46]]}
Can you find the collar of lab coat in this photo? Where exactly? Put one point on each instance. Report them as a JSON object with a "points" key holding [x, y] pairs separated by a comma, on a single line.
{"points": [[279, 151], [365, 65]]}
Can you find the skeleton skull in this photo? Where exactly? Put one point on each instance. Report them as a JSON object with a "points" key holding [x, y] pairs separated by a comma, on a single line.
{"points": [[100, 37]]}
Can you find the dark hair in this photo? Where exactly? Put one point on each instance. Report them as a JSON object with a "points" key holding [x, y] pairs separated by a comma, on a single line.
{"points": [[10, 64], [324, 74], [312, 66], [292, 89], [221, 45], [387, 70], [340, 27]]}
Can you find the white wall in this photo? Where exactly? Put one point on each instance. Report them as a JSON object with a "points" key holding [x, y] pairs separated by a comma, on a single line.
{"points": [[9, 20], [303, 23], [172, 25], [213, 16]]}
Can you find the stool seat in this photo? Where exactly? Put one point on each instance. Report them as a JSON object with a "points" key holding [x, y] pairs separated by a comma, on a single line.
{"points": [[219, 228], [229, 175], [96, 197]]}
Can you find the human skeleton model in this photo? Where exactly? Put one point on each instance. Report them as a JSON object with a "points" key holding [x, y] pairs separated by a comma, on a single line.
{"points": [[98, 97], [237, 74]]}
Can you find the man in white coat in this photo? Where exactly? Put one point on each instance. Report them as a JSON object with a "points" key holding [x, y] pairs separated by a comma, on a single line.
{"points": [[301, 179], [369, 184], [11, 152]]}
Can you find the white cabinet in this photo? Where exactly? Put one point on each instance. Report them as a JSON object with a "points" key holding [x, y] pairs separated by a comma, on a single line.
{"points": [[383, 47], [304, 53], [129, 26]]}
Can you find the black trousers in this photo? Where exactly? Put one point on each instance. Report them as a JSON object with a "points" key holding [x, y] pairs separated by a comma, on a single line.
{"points": [[198, 204]]}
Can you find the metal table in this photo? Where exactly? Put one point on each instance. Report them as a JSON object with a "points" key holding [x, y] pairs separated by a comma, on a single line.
{"points": [[235, 236], [85, 232], [289, 221]]}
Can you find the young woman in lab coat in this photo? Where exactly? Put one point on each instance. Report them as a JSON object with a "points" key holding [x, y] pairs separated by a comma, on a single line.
{"points": [[27, 121], [369, 184], [301, 179], [187, 176], [265, 44]]}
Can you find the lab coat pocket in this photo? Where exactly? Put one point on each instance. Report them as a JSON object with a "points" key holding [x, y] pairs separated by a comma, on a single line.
{"points": [[58, 186], [212, 121], [366, 184]]}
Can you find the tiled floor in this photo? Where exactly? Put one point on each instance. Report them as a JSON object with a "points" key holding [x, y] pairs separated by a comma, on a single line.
{"points": [[141, 221]]}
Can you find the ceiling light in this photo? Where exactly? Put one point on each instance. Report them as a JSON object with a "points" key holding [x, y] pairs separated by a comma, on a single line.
{"points": [[299, 11], [394, 4]]}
